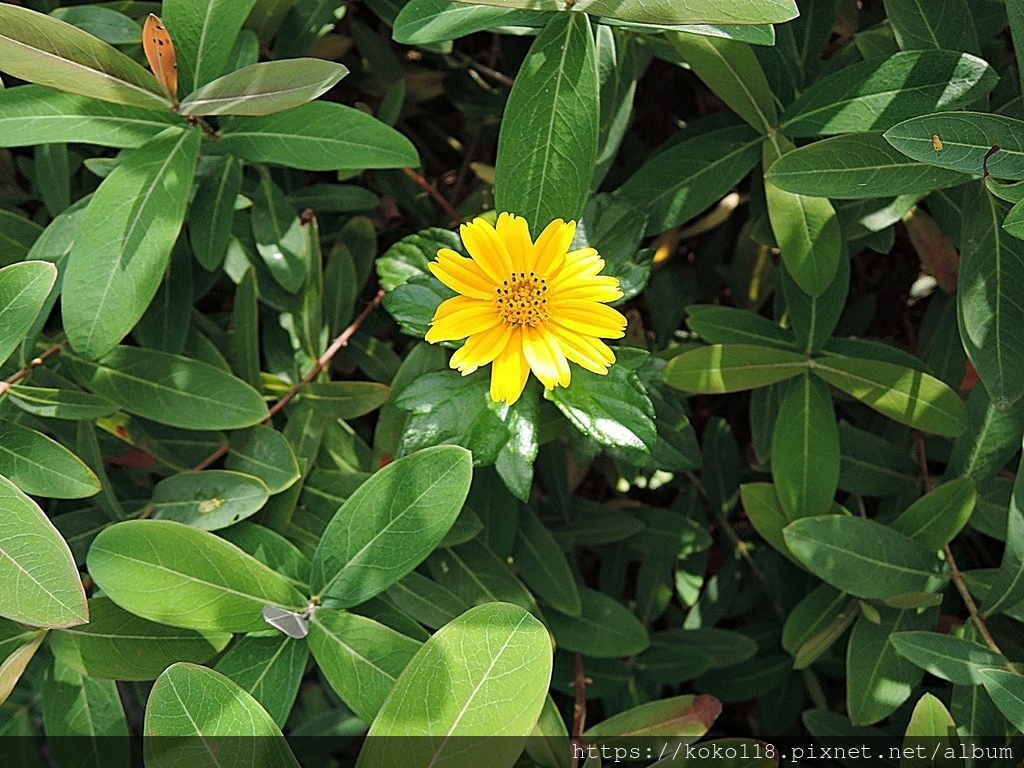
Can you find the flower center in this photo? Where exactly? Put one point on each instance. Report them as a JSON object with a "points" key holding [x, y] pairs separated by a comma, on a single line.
{"points": [[521, 299]]}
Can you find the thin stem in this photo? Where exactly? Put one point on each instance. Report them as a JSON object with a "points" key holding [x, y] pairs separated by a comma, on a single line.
{"points": [[321, 364], [579, 709], [437, 196], [956, 575], [25, 372], [483, 69]]}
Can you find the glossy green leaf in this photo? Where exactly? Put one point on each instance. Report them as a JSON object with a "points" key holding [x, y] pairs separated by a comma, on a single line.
{"points": [[32, 114], [805, 449], [119, 256], [172, 390], [877, 94], [106, 24], [84, 719], [44, 589], [199, 707], [937, 517], [173, 574], [863, 557], [209, 500], [50, 403], [679, 719], [270, 669], [604, 630], [345, 399], [806, 229], [724, 368], [547, 147], [679, 182], [1007, 691], [425, 600], [879, 679], [476, 575], [264, 88], [727, 325], [990, 280], [945, 656], [47, 51], [24, 288], [421, 22], [947, 24], [317, 137], [17, 647], [766, 514], [117, 645], [966, 138], [360, 658], [732, 71], [17, 233], [41, 466], [666, 11], [204, 33], [263, 452], [209, 225], [496, 663], [1008, 588], [814, 318], [857, 166], [390, 524], [816, 623], [907, 396], [543, 566], [991, 439]]}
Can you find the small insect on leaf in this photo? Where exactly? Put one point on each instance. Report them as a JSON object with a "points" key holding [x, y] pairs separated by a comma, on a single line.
{"points": [[937, 142], [156, 42]]}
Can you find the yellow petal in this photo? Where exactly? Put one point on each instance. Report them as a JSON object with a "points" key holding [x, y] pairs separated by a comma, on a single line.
{"points": [[461, 274], [515, 233], [481, 348], [589, 292], [586, 351], [486, 249], [509, 372], [589, 317], [541, 358], [552, 245], [460, 317]]}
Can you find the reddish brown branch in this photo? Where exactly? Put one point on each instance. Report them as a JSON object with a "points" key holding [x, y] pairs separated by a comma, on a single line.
{"points": [[579, 709], [437, 196]]}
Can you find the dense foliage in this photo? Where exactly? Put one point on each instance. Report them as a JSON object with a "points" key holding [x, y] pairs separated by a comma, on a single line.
{"points": [[241, 495]]}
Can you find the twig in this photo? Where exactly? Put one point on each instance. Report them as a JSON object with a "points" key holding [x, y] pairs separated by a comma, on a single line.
{"points": [[579, 709], [956, 575], [24, 373], [437, 196], [483, 69], [323, 362]]}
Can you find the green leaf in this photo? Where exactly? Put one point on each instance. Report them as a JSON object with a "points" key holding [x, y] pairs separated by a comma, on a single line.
{"points": [[17, 647], [59, 403], [766, 514], [805, 449], [204, 33], [264, 88], [945, 656], [422, 22], [177, 575], [106, 24], [862, 557], [264, 453], [123, 246], [543, 566], [475, 574], [496, 663], [345, 399], [203, 705], [17, 234], [937, 517], [877, 94], [680, 719], [724, 368], [665, 12], [727, 325], [613, 409], [390, 524], [732, 71], [857, 166], [32, 114], [209, 500], [547, 147], [316, 137], [806, 229], [604, 630], [1007, 691], [679, 182], [425, 600], [946, 24], [47, 51], [1008, 588], [84, 719], [42, 466], [966, 138], [213, 209], [44, 589], [268, 668], [816, 623], [991, 278], [359, 657], [280, 236], [930, 725], [172, 390], [24, 288], [907, 396], [878, 679], [117, 645], [991, 439]]}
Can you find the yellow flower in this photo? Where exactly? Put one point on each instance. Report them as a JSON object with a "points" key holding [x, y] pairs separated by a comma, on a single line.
{"points": [[525, 306]]}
